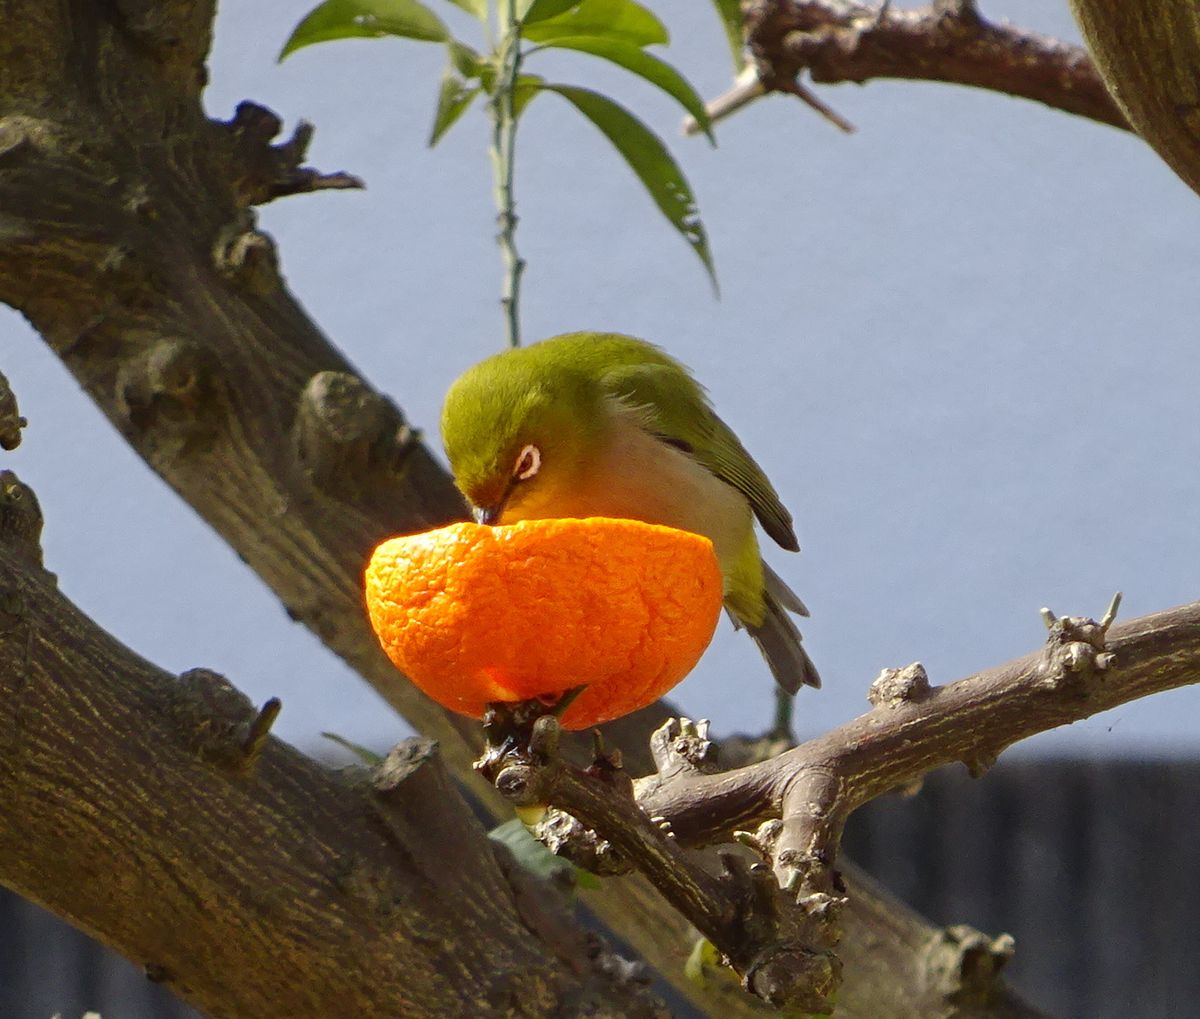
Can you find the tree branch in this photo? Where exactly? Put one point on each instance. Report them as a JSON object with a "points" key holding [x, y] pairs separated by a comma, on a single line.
{"points": [[949, 41], [801, 799], [1148, 52], [157, 813]]}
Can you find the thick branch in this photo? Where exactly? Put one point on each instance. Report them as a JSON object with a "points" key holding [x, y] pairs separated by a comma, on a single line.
{"points": [[156, 812], [1148, 52], [838, 41]]}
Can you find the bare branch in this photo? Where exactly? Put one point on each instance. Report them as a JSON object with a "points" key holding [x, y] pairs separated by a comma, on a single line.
{"points": [[802, 798], [838, 41]]}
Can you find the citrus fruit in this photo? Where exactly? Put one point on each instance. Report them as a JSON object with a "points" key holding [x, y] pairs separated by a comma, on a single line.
{"points": [[473, 613]]}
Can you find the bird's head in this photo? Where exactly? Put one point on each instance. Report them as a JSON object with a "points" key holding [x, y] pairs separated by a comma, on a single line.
{"points": [[519, 428]]}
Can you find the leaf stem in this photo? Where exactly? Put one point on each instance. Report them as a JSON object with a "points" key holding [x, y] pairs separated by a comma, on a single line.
{"points": [[504, 137]]}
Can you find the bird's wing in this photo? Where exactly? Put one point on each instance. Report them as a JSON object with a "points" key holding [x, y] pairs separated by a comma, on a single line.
{"points": [[679, 413]]}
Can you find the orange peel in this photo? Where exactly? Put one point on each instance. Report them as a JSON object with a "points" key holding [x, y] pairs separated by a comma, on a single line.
{"points": [[473, 613]]}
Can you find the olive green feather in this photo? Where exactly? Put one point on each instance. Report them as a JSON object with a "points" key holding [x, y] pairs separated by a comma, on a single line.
{"points": [[678, 410]]}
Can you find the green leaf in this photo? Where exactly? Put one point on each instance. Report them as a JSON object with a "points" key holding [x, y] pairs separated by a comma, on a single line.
{"points": [[368, 757], [476, 8], [366, 19], [527, 86], [644, 65], [536, 858], [454, 96], [730, 13], [622, 20], [529, 11], [703, 957], [649, 159], [465, 60]]}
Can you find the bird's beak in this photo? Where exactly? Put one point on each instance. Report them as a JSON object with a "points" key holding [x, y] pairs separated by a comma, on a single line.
{"points": [[491, 514], [487, 514]]}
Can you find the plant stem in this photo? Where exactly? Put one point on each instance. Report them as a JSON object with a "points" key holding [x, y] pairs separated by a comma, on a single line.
{"points": [[504, 137]]}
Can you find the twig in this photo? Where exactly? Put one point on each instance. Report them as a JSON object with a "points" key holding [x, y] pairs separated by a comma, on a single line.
{"points": [[260, 729], [504, 138], [948, 41]]}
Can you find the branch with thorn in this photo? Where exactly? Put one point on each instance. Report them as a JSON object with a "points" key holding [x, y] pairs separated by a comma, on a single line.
{"points": [[835, 41], [783, 909]]}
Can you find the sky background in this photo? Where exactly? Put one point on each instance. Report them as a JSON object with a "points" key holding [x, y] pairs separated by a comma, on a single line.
{"points": [[962, 342]]}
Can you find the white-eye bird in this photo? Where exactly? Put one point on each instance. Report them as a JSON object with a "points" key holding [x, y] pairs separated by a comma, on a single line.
{"points": [[598, 424]]}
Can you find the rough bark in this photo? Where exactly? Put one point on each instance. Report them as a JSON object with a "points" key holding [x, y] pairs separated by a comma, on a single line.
{"points": [[157, 813], [1148, 52]]}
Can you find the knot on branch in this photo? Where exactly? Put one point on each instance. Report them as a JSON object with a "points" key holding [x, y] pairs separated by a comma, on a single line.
{"points": [[167, 390], [20, 518], [11, 421], [221, 724], [403, 761], [964, 964], [346, 437], [776, 952], [247, 258], [680, 745], [797, 978], [893, 687], [262, 171], [1075, 655]]}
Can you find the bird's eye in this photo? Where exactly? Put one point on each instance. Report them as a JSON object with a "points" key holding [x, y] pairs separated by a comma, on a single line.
{"points": [[528, 463]]}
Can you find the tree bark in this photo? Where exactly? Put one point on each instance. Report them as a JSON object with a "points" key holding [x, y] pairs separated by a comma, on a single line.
{"points": [[1148, 52], [156, 813]]}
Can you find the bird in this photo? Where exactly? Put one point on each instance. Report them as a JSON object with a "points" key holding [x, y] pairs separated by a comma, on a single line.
{"points": [[591, 424]]}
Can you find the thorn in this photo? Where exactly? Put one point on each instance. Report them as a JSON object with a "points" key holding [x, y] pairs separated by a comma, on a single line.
{"points": [[1110, 613], [809, 98], [1049, 618], [260, 728], [566, 700]]}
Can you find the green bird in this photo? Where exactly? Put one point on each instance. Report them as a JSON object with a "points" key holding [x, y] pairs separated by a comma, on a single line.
{"points": [[604, 425]]}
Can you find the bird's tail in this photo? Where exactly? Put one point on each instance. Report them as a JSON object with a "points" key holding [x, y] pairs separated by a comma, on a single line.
{"points": [[778, 638]]}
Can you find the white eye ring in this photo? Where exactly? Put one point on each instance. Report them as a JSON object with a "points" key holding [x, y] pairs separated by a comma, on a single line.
{"points": [[528, 463]]}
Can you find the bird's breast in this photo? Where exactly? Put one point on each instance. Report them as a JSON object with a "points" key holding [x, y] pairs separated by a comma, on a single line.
{"points": [[639, 477]]}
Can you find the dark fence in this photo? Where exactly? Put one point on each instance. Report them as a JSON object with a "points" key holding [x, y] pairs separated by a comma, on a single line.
{"points": [[1093, 866]]}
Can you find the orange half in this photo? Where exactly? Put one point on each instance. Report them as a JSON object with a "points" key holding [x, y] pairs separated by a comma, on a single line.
{"points": [[473, 613]]}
